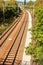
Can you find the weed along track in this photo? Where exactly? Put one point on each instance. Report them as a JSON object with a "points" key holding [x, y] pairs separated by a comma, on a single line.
{"points": [[10, 47], [9, 31]]}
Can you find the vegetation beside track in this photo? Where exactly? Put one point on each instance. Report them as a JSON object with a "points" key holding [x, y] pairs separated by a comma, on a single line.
{"points": [[8, 14], [36, 47]]}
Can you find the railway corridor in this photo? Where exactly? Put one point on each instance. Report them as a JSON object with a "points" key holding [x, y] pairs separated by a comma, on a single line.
{"points": [[11, 50]]}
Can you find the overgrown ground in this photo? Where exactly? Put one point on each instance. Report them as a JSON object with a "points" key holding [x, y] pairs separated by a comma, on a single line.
{"points": [[8, 18], [36, 47]]}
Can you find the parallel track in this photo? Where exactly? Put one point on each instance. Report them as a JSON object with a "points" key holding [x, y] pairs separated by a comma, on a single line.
{"points": [[6, 35], [12, 53]]}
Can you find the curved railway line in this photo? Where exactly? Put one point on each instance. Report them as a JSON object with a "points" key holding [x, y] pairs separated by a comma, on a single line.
{"points": [[9, 31], [10, 45]]}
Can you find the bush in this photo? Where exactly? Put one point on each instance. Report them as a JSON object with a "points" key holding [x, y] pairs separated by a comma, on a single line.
{"points": [[36, 48], [9, 12]]}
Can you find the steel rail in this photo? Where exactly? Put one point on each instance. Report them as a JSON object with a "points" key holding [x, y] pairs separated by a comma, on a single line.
{"points": [[12, 45], [19, 45], [16, 22]]}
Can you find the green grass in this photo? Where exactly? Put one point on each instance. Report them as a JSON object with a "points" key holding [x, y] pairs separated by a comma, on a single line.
{"points": [[6, 25], [11, 14], [3, 27]]}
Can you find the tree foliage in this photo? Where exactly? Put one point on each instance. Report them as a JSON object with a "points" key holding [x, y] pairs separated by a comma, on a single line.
{"points": [[24, 2], [30, 3], [39, 3], [9, 9], [11, 3], [36, 48]]}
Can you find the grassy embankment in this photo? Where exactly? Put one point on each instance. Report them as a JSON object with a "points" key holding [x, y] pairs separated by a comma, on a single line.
{"points": [[7, 17]]}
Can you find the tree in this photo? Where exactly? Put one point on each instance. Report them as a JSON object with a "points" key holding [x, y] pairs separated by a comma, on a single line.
{"points": [[39, 3], [36, 48], [12, 2], [1, 3], [24, 2], [30, 3]]}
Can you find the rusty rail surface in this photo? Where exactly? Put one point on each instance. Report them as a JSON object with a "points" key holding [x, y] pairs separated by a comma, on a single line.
{"points": [[9, 31], [12, 53]]}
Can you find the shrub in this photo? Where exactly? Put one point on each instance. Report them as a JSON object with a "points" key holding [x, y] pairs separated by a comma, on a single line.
{"points": [[36, 48]]}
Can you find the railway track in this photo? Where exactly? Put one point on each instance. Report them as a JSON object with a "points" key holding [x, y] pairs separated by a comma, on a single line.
{"points": [[13, 49], [6, 34]]}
